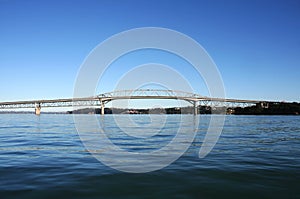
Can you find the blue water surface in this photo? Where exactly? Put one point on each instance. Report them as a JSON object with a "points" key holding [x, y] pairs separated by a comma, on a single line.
{"points": [[256, 156]]}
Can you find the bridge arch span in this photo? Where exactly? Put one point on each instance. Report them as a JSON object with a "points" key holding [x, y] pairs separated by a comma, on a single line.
{"points": [[149, 94]]}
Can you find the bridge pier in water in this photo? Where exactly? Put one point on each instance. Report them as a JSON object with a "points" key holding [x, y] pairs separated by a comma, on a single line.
{"points": [[38, 109], [102, 107], [195, 108]]}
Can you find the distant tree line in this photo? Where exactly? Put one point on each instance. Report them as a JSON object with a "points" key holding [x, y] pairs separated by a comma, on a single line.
{"points": [[173, 110], [269, 109], [281, 108]]}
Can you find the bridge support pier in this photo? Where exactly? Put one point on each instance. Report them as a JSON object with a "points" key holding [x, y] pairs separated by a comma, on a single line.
{"points": [[264, 105], [195, 108], [38, 109], [102, 107]]}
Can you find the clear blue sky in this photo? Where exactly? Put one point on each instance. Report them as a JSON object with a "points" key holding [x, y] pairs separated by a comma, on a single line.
{"points": [[255, 44]]}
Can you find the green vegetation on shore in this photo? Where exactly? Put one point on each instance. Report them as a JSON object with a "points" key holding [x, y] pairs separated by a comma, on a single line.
{"points": [[271, 109], [281, 108]]}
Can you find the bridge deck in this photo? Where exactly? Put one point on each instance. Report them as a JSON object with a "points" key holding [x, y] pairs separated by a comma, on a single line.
{"points": [[51, 101], [99, 100]]}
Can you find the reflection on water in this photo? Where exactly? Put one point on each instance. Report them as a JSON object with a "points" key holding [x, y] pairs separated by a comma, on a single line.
{"points": [[256, 156]]}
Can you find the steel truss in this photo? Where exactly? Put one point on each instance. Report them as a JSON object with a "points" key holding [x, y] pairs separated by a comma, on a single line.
{"points": [[100, 100]]}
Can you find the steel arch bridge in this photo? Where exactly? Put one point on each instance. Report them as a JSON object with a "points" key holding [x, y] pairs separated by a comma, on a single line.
{"points": [[149, 94], [102, 99]]}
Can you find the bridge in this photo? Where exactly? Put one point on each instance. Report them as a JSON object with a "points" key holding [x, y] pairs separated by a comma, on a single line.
{"points": [[102, 99]]}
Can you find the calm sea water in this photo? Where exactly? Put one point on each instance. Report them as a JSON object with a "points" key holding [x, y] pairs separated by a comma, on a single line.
{"points": [[255, 157]]}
